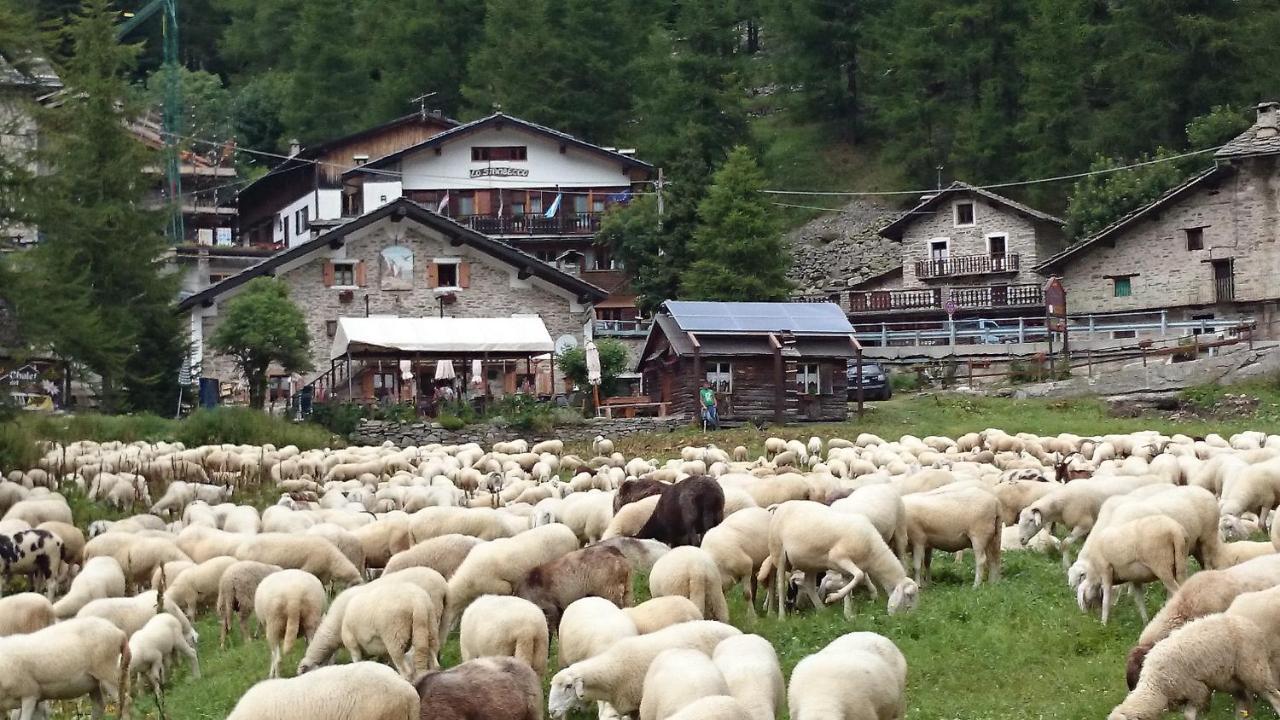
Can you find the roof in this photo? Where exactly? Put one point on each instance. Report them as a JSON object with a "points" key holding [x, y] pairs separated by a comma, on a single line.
{"points": [[485, 122], [34, 72], [895, 229], [516, 336], [1129, 219], [1262, 138], [402, 208], [761, 318]]}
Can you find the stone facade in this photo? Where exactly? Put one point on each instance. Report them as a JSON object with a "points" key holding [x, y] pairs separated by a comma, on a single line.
{"points": [[841, 250], [375, 432]]}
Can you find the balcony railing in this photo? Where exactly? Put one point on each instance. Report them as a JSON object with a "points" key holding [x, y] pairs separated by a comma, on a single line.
{"points": [[967, 265], [1224, 289], [965, 298], [622, 328], [585, 223]]}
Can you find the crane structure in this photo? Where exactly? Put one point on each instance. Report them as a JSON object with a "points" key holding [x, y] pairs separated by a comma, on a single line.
{"points": [[171, 113]]}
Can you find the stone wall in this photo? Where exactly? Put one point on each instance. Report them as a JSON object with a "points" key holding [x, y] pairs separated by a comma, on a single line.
{"points": [[376, 432], [840, 250]]}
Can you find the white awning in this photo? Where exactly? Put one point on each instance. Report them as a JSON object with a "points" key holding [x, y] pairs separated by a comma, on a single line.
{"points": [[442, 336]]}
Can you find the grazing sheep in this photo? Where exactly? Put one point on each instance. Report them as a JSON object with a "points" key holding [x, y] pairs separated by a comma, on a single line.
{"points": [[592, 571], [512, 691], [314, 555], [236, 590], [685, 511], [859, 675], [713, 707], [145, 555], [25, 613], [642, 554], [35, 553], [883, 506], [739, 546], [131, 613], [366, 690], [63, 662], [198, 585], [661, 612], [101, 577], [151, 647], [691, 572], [630, 519], [443, 554], [287, 603], [1231, 554], [676, 678], [396, 620], [496, 567], [1074, 505], [505, 626], [750, 668], [955, 519], [588, 627], [616, 676], [1136, 552]]}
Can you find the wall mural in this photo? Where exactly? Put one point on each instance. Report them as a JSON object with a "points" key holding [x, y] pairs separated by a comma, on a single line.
{"points": [[396, 268]]}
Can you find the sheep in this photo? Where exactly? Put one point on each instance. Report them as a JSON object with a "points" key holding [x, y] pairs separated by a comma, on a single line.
{"points": [[813, 538], [365, 690], [25, 613], [198, 585], [883, 506], [601, 447], [739, 546], [713, 707], [484, 523], [751, 670], [73, 541], [151, 647], [691, 572], [635, 490], [131, 613], [954, 519], [859, 675], [685, 511], [588, 514], [1193, 508], [315, 555], [146, 554], [287, 603], [676, 678], [236, 589], [391, 619], [443, 554], [505, 626], [63, 662], [101, 577], [588, 627], [36, 553], [169, 571], [660, 612], [512, 691], [1217, 652], [202, 543], [1075, 505], [496, 567], [1135, 552], [616, 676], [1233, 553], [33, 511], [630, 519], [593, 571]]}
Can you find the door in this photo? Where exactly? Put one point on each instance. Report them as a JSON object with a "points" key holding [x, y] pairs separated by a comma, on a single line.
{"points": [[1224, 281]]}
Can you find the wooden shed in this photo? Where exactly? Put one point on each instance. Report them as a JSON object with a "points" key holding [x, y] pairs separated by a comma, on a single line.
{"points": [[782, 362]]}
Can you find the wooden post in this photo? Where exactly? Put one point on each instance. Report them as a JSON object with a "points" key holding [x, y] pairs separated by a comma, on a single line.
{"points": [[779, 381], [699, 374], [349, 374], [970, 364], [1088, 354]]}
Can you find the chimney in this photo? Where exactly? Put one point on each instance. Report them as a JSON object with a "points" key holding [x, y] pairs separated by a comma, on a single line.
{"points": [[1268, 124], [295, 147]]}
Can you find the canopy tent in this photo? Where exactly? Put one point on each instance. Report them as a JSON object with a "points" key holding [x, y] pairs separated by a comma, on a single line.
{"points": [[396, 337]]}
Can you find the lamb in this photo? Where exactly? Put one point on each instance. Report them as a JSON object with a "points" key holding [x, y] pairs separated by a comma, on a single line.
{"points": [[131, 613], [859, 675], [589, 626], [616, 676], [314, 555], [676, 678], [954, 519], [198, 585], [364, 690], [1135, 552], [750, 668], [691, 572], [390, 619], [660, 612], [739, 546], [151, 647], [287, 603], [505, 626], [101, 577], [63, 662], [25, 613], [685, 511], [496, 567], [512, 691], [1217, 652], [236, 590], [443, 554], [593, 571]]}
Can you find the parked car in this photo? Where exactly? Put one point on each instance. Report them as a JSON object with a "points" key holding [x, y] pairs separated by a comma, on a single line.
{"points": [[875, 381]]}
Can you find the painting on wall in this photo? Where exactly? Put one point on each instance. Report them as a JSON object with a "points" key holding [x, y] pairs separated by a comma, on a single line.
{"points": [[396, 268]]}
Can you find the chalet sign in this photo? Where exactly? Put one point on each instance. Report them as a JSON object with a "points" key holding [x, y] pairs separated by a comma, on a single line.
{"points": [[499, 172], [24, 374]]}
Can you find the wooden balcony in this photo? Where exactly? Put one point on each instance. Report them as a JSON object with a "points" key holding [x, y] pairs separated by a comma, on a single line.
{"points": [[981, 297], [585, 223], [967, 265]]}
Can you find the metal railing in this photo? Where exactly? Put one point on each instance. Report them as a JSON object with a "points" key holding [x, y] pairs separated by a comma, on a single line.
{"points": [[967, 265], [982, 331], [965, 298], [583, 223], [622, 328]]}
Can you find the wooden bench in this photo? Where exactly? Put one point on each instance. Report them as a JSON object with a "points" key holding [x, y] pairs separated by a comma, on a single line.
{"points": [[628, 406]]}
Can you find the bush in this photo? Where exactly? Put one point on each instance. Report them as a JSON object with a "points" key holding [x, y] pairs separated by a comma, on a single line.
{"points": [[525, 412], [451, 422], [904, 381], [338, 418], [242, 426], [18, 449]]}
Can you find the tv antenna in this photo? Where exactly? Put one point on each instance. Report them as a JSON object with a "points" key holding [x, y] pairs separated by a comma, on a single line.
{"points": [[422, 102]]}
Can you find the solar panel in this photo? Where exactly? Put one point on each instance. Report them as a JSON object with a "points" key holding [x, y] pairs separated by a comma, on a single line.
{"points": [[757, 317]]}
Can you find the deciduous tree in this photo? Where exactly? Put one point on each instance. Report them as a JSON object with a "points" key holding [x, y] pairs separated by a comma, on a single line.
{"points": [[262, 327]]}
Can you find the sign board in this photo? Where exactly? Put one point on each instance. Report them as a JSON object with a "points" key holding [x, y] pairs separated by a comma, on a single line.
{"points": [[1055, 303], [950, 306], [499, 172], [24, 374]]}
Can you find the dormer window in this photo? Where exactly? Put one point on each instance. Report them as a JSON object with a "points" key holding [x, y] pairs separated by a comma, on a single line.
{"points": [[360, 159], [964, 214]]}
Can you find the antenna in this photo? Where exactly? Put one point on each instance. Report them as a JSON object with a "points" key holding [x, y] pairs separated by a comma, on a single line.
{"points": [[422, 102]]}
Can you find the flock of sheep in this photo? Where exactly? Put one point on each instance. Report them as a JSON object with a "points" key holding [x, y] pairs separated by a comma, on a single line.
{"points": [[386, 551]]}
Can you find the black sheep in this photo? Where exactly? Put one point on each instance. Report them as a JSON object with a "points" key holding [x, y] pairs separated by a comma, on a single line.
{"points": [[685, 511]]}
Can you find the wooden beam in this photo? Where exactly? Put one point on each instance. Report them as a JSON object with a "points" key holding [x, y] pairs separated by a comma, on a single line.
{"points": [[525, 273], [336, 243], [779, 381], [456, 241], [399, 214]]}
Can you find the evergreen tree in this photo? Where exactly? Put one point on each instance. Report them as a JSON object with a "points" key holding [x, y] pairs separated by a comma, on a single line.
{"points": [[737, 251], [643, 244], [516, 67], [326, 91], [95, 290], [263, 326]]}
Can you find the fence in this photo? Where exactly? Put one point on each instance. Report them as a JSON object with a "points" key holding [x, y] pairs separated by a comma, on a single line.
{"points": [[981, 331]]}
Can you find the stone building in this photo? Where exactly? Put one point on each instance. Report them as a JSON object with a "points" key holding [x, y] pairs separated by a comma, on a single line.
{"points": [[1208, 249], [403, 260]]}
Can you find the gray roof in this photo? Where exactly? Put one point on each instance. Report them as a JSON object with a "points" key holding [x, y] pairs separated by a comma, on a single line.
{"points": [[759, 317], [1262, 138], [895, 229], [33, 72], [741, 345]]}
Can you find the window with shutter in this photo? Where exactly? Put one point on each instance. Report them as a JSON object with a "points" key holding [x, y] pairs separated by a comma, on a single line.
{"points": [[328, 274], [464, 275], [361, 280], [433, 275]]}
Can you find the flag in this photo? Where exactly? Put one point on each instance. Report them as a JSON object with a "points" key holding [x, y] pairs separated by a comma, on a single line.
{"points": [[555, 207], [444, 204], [622, 197]]}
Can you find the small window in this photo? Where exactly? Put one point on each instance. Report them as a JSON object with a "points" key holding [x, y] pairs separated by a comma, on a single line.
{"points": [[1195, 238], [808, 380], [1122, 286], [217, 277], [448, 274], [939, 249], [1123, 334], [996, 244], [579, 203], [597, 205], [344, 274], [720, 375], [302, 221], [466, 205], [508, 153], [360, 159], [964, 214], [331, 327]]}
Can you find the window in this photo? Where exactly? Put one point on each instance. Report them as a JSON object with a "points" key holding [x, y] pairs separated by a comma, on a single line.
{"points": [[597, 205], [964, 214], [580, 203], [720, 375], [939, 249], [808, 380], [284, 227], [1122, 286], [1123, 334], [1195, 238], [535, 204], [996, 244], [517, 209], [515, 153], [384, 384], [546, 256], [217, 277], [466, 204], [302, 221], [331, 327], [360, 159], [448, 273], [344, 273]]}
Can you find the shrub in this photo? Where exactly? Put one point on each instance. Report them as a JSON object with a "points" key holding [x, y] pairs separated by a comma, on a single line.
{"points": [[242, 426], [451, 422], [524, 412], [904, 381], [18, 450], [338, 418], [613, 361]]}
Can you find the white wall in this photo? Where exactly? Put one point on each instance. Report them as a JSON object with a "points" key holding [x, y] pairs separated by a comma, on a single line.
{"points": [[329, 207], [377, 194], [547, 167]]}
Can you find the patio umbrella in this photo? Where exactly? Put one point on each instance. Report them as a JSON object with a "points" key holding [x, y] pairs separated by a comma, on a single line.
{"points": [[477, 374], [444, 370], [406, 370], [593, 364]]}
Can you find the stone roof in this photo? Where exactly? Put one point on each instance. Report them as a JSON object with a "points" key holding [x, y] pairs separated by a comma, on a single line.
{"points": [[1262, 138]]}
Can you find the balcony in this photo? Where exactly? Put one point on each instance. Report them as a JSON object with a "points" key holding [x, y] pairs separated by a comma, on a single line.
{"points": [[967, 265], [981, 297], [622, 328], [584, 223]]}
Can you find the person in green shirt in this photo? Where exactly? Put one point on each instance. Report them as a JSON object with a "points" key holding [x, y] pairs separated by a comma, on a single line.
{"points": [[707, 397]]}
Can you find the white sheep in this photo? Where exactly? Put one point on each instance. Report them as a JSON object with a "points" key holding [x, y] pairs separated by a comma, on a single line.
{"points": [[62, 662], [883, 506], [955, 519], [630, 518], [691, 572], [1135, 552], [312, 554], [198, 586], [588, 627], [151, 647], [397, 620], [366, 690], [25, 613], [676, 678], [101, 577], [131, 613], [236, 589], [506, 626], [739, 545], [657, 613], [497, 567], [1074, 505], [288, 603], [859, 675], [443, 554], [750, 668], [713, 707]]}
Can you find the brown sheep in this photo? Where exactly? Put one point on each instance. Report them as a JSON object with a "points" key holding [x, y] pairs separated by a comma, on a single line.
{"points": [[633, 490], [511, 691], [685, 511], [590, 572]]}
